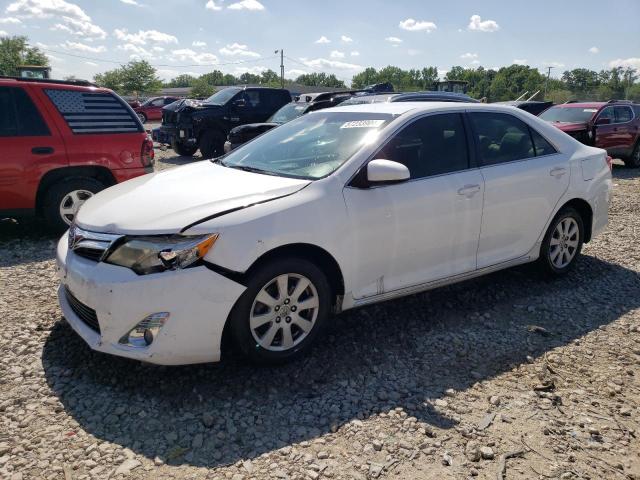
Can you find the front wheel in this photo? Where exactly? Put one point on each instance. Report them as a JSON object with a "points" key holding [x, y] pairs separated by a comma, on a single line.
{"points": [[184, 150], [211, 144], [634, 160], [282, 312], [562, 243]]}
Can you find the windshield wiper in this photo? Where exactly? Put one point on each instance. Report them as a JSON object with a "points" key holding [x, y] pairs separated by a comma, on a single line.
{"points": [[251, 169]]}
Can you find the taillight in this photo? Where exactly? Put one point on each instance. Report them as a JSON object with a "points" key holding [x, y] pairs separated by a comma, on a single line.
{"points": [[147, 153], [610, 162]]}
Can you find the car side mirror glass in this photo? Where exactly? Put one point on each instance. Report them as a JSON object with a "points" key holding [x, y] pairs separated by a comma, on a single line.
{"points": [[386, 171], [603, 121]]}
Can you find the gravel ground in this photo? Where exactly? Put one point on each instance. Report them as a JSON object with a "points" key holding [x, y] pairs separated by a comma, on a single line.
{"points": [[511, 371]]}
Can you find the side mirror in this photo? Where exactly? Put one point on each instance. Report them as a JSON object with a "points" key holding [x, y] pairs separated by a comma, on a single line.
{"points": [[239, 102], [603, 121], [386, 171]]}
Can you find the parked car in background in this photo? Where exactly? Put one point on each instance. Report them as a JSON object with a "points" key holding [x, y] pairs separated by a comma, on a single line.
{"points": [[613, 125], [427, 96], [306, 103], [62, 142], [333, 210], [152, 108], [534, 107], [191, 125]]}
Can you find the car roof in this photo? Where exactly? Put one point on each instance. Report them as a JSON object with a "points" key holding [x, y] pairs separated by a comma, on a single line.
{"points": [[399, 108], [582, 105]]}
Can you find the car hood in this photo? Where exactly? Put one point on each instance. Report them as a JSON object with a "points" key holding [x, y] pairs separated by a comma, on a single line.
{"points": [[166, 202], [189, 104], [570, 127]]}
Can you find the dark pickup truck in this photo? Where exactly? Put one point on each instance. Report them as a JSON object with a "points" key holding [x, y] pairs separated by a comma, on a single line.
{"points": [[189, 125]]}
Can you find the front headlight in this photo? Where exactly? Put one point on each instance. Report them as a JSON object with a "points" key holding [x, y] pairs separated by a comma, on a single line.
{"points": [[153, 254]]}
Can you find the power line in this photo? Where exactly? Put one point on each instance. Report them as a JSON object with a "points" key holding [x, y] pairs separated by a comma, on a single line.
{"points": [[103, 60]]}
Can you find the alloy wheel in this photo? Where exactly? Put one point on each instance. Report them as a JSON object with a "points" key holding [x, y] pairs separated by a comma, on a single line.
{"points": [[71, 202], [564, 242], [284, 312]]}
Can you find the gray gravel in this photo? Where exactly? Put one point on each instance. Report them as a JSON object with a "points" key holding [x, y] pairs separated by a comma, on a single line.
{"points": [[510, 371]]}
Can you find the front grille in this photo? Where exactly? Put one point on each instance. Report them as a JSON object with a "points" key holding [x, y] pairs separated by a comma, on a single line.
{"points": [[86, 314]]}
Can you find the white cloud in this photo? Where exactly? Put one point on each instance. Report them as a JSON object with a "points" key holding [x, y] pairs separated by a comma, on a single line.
{"points": [[81, 47], [395, 41], [417, 26], [594, 50], [12, 20], [131, 2], [144, 36], [520, 61], [553, 64], [158, 49], [135, 50], [412, 52], [80, 28], [469, 56], [256, 70], [253, 5], [3, 33], [198, 44], [235, 49], [633, 62], [91, 64], [477, 24], [325, 63], [336, 54], [186, 54], [475, 62], [47, 9], [323, 39], [211, 5], [346, 39], [294, 72], [355, 53]]}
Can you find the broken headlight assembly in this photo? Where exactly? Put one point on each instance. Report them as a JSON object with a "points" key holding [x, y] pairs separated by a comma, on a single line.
{"points": [[152, 254]]}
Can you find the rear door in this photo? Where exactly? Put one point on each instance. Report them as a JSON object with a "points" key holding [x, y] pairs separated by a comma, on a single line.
{"points": [[524, 178], [154, 110], [605, 136], [30, 145], [624, 129]]}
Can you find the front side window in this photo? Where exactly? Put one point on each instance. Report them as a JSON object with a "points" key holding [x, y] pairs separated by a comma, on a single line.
{"points": [[158, 102], [501, 138], [608, 113], [429, 146], [623, 114], [311, 146]]}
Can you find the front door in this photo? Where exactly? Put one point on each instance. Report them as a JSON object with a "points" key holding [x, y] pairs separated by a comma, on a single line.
{"points": [[524, 178], [423, 229]]}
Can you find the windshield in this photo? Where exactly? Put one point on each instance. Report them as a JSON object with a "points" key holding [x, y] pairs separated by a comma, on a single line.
{"points": [[311, 146], [568, 114], [222, 97], [288, 112], [360, 99]]}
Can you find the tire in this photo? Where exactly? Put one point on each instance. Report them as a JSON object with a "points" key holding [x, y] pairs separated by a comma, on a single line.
{"points": [[211, 144], [142, 117], [184, 150], [634, 160], [562, 245], [265, 340], [59, 196]]}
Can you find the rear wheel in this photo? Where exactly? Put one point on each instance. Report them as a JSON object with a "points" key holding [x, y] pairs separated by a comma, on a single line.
{"points": [[63, 199], [211, 144], [562, 243], [184, 150], [282, 312], [634, 160]]}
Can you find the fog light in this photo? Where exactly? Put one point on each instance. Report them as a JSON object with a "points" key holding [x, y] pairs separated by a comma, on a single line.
{"points": [[143, 334]]}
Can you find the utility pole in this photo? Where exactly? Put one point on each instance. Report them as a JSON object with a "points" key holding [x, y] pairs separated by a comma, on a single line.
{"points": [[546, 83], [281, 66]]}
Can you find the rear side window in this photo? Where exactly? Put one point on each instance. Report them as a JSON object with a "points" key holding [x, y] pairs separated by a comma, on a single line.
{"points": [[19, 116], [501, 138], [89, 112], [623, 114], [541, 145], [432, 145]]}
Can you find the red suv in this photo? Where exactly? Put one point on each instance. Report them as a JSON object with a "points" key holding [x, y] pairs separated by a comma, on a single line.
{"points": [[61, 142], [614, 126], [152, 108]]}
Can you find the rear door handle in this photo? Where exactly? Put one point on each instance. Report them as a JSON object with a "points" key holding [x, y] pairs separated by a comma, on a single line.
{"points": [[469, 190], [42, 150], [557, 172]]}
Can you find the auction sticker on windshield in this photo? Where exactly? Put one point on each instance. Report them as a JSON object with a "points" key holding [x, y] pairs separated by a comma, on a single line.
{"points": [[363, 124]]}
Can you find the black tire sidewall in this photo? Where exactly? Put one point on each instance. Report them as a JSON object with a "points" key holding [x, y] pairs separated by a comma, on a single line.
{"points": [[239, 317], [183, 150], [634, 160], [211, 144], [545, 261], [55, 194], [143, 117]]}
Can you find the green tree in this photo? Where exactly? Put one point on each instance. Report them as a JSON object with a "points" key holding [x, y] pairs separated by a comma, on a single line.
{"points": [[367, 77], [269, 77], [249, 79], [202, 88], [184, 80], [15, 51], [112, 79], [320, 80], [137, 76]]}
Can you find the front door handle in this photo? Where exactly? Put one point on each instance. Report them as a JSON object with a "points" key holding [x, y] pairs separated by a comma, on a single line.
{"points": [[42, 150], [469, 190], [557, 172]]}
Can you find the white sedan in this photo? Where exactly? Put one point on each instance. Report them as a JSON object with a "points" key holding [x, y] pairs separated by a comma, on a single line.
{"points": [[334, 210]]}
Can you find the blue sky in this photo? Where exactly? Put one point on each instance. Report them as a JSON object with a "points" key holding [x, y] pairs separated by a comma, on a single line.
{"points": [[341, 37]]}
